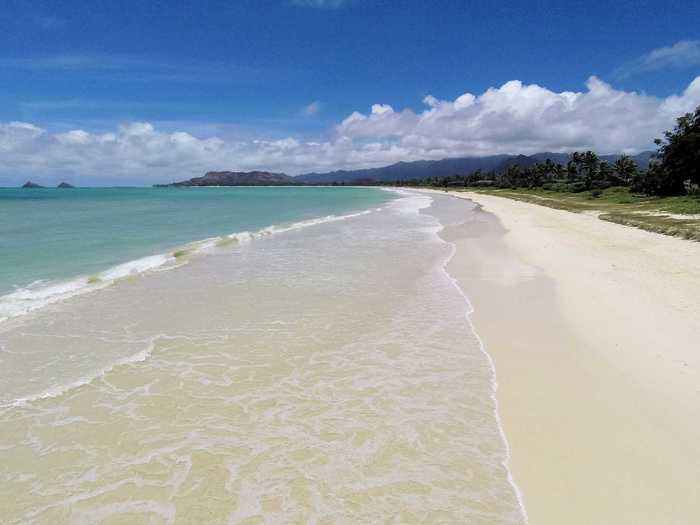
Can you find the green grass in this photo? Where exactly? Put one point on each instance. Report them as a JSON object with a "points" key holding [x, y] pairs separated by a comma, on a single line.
{"points": [[677, 216], [681, 205]]}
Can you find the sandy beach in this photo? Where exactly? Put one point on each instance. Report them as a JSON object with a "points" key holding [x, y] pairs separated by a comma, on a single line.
{"points": [[594, 329]]}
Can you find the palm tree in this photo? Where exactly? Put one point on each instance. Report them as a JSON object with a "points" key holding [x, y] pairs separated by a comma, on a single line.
{"points": [[545, 170], [605, 172], [513, 175], [591, 163], [625, 168], [559, 171], [575, 165]]}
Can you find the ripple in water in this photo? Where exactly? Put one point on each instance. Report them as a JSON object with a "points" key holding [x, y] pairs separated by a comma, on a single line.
{"points": [[323, 375]]}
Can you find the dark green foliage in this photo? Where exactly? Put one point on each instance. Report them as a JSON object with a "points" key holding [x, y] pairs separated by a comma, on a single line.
{"points": [[625, 170], [676, 170], [584, 172], [555, 186], [656, 181], [679, 157], [576, 187], [599, 185]]}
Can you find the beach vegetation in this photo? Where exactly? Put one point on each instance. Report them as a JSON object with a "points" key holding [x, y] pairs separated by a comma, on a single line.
{"points": [[673, 170], [678, 215], [677, 170], [663, 196]]}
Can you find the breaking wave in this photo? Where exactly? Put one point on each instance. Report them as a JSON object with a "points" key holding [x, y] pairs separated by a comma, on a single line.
{"points": [[43, 293]]}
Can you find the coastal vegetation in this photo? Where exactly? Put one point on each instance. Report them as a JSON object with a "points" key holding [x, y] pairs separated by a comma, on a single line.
{"points": [[674, 170], [663, 197], [678, 215]]}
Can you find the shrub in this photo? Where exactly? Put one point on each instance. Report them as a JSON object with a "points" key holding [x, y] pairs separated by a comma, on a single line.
{"points": [[679, 159], [600, 185], [555, 186], [576, 187], [656, 181]]}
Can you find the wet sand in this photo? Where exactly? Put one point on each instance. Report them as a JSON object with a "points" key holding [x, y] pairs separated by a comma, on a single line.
{"points": [[322, 374], [595, 334]]}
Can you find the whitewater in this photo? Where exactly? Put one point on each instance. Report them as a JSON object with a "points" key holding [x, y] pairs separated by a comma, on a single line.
{"points": [[319, 368]]}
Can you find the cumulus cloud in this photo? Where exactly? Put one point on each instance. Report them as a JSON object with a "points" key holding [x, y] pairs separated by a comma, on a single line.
{"points": [[518, 118], [681, 54], [512, 118]]}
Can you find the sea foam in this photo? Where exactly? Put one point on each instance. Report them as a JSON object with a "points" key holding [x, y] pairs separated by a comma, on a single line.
{"points": [[86, 379], [42, 293]]}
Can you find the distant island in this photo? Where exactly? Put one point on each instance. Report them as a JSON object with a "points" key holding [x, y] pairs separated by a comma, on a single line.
{"points": [[394, 173], [33, 185], [236, 178]]}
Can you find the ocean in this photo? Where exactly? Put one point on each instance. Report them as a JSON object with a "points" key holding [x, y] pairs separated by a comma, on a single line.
{"points": [[53, 240], [242, 355]]}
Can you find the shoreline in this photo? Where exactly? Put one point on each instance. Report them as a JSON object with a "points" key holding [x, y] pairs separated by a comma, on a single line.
{"points": [[327, 375], [592, 328], [25, 299], [506, 463]]}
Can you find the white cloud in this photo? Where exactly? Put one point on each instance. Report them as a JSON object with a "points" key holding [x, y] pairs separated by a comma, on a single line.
{"points": [[17, 135], [513, 118], [312, 109], [681, 54], [76, 136], [517, 118]]}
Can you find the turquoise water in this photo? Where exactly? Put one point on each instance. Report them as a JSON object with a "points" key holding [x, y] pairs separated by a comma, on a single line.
{"points": [[50, 235], [319, 372]]}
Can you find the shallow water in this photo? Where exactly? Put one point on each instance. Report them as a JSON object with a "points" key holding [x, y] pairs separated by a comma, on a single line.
{"points": [[56, 243], [326, 374]]}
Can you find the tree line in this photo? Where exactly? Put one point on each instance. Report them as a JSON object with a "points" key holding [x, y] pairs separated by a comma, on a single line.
{"points": [[673, 170]]}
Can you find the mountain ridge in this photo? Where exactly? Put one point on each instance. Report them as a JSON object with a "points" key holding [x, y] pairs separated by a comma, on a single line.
{"points": [[236, 178], [420, 169], [398, 172]]}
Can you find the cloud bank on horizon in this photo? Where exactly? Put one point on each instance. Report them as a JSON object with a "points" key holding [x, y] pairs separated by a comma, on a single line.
{"points": [[513, 118]]}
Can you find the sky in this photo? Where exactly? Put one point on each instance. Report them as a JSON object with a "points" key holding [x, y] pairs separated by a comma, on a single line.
{"points": [[131, 92]]}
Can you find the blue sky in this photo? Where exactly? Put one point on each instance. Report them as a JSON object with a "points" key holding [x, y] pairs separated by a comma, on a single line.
{"points": [[281, 70]]}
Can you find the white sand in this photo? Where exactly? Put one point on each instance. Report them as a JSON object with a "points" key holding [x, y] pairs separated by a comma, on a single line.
{"points": [[595, 331]]}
